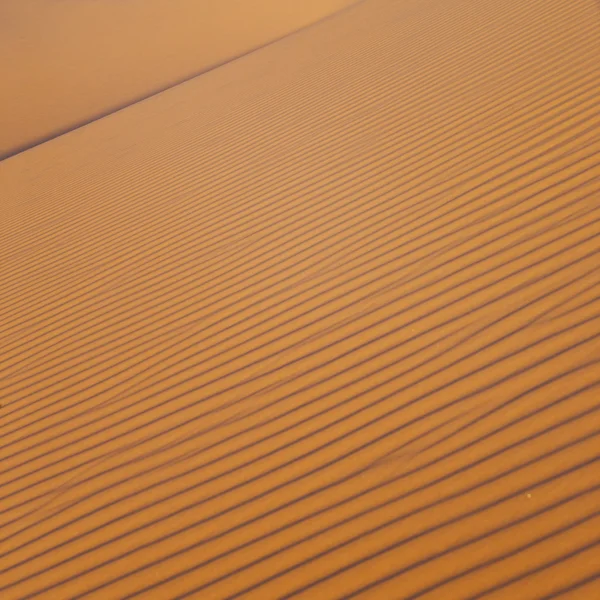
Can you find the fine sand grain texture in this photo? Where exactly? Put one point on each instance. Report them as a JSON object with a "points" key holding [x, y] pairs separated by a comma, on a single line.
{"points": [[321, 323], [66, 62]]}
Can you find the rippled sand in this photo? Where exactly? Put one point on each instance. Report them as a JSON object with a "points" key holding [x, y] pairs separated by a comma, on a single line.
{"points": [[320, 323], [67, 62]]}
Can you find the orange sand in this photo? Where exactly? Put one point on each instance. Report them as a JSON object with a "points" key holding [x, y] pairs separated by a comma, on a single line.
{"points": [[322, 323], [65, 62]]}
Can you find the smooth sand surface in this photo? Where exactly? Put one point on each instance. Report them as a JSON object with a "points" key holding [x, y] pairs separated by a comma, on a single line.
{"points": [[321, 323], [65, 62]]}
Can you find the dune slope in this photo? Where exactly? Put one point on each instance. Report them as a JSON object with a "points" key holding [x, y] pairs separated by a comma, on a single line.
{"points": [[66, 62], [321, 323]]}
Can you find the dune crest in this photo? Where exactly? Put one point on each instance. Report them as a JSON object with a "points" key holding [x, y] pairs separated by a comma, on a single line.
{"points": [[68, 61]]}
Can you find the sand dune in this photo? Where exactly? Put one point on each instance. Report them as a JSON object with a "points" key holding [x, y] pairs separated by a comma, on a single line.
{"points": [[66, 62], [321, 323]]}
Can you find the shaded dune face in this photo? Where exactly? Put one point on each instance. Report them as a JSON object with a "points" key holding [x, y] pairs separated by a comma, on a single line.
{"points": [[321, 323], [66, 62]]}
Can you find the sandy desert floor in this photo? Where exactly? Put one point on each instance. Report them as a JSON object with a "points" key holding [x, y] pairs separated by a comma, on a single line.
{"points": [[321, 323]]}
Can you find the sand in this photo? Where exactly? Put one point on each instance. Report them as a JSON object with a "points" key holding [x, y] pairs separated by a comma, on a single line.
{"points": [[66, 62], [320, 323]]}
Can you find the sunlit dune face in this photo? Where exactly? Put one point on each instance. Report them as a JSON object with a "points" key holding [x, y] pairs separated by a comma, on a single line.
{"points": [[320, 323], [68, 61]]}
